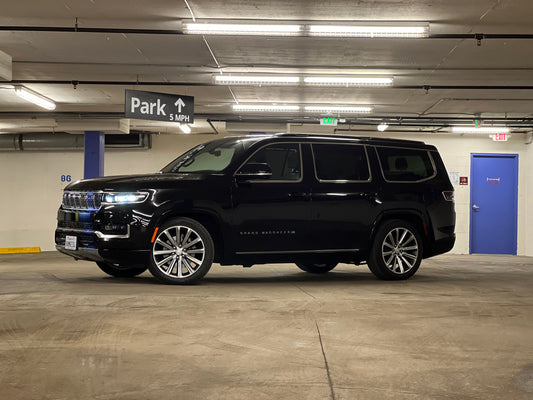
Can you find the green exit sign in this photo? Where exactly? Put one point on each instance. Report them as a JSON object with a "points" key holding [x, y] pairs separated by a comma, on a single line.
{"points": [[328, 121]]}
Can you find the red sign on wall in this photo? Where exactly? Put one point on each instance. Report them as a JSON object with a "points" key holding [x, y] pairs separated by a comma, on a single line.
{"points": [[500, 137]]}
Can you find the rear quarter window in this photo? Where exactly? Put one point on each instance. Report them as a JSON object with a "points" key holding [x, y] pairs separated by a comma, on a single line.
{"points": [[405, 165]]}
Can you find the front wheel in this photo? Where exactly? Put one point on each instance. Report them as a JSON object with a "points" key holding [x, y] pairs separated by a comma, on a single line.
{"points": [[120, 271], [317, 268], [182, 252], [396, 252]]}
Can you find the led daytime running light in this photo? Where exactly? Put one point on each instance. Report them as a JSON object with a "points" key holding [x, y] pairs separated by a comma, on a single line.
{"points": [[124, 197]]}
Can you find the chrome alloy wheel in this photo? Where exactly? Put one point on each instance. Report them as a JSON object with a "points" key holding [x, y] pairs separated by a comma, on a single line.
{"points": [[400, 250], [178, 251]]}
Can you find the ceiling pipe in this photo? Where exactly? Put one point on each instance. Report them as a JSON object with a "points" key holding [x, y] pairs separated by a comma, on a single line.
{"points": [[163, 83], [224, 117]]}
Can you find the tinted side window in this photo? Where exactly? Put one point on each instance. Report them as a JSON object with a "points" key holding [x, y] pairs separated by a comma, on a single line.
{"points": [[283, 159], [403, 165], [337, 162]]}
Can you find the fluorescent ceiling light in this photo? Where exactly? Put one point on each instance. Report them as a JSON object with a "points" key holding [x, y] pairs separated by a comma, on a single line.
{"points": [[382, 127], [339, 109], [185, 128], [241, 29], [255, 80], [264, 107], [347, 81], [309, 80], [372, 30], [480, 129], [35, 98]]}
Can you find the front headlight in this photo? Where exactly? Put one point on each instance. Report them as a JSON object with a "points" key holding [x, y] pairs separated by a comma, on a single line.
{"points": [[124, 197]]}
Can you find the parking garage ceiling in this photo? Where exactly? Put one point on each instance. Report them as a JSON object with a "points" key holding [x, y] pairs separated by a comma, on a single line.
{"points": [[476, 64]]}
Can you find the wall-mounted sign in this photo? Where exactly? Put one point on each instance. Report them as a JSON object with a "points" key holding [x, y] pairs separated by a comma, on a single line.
{"points": [[463, 180], [159, 106], [328, 121], [500, 137], [454, 178]]}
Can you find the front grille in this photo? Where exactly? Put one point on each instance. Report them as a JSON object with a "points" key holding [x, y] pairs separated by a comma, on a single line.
{"points": [[82, 200], [76, 225]]}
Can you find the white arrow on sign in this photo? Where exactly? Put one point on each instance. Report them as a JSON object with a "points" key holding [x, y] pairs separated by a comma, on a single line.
{"points": [[179, 103]]}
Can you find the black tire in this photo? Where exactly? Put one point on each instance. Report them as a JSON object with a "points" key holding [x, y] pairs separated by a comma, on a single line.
{"points": [[119, 271], [396, 252], [317, 268], [182, 252]]}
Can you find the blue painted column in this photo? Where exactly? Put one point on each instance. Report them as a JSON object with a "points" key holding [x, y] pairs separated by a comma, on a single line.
{"points": [[94, 154]]}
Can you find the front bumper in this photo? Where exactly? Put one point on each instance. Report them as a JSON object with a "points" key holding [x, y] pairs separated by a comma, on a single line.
{"points": [[113, 236], [81, 253]]}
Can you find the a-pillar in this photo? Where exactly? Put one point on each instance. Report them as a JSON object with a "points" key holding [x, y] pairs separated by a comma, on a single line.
{"points": [[94, 154]]}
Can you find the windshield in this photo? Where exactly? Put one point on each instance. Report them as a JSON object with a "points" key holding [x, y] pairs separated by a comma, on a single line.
{"points": [[208, 157]]}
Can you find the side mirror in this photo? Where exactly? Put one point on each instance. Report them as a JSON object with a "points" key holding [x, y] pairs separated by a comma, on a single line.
{"points": [[254, 171]]}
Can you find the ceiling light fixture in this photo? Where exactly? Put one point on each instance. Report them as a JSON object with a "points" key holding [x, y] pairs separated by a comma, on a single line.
{"points": [[373, 30], [255, 80], [480, 129], [264, 108], [383, 127], [241, 29], [35, 98], [347, 81], [340, 109], [185, 128]]}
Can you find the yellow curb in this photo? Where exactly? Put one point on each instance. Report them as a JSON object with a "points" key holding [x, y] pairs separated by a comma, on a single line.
{"points": [[19, 250]]}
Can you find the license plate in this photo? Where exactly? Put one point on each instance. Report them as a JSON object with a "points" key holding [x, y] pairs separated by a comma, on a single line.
{"points": [[71, 242]]}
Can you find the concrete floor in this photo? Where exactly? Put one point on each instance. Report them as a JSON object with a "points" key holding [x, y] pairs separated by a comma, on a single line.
{"points": [[462, 328]]}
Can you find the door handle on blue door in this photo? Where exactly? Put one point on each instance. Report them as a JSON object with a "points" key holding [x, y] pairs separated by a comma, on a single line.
{"points": [[475, 208]]}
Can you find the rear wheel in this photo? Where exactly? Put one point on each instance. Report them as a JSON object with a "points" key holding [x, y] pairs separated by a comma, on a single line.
{"points": [[396, 252], [182, 252], [120, 271], [317, 268]]}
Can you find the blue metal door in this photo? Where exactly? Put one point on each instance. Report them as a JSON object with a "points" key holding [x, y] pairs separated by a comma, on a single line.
{"points": [[493, 203]]}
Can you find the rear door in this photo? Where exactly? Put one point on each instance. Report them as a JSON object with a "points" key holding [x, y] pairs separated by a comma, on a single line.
{"points": [[344, 203]]}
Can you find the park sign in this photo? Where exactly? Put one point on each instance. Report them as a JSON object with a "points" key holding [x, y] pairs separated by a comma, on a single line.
{"points": [[159, 106]]}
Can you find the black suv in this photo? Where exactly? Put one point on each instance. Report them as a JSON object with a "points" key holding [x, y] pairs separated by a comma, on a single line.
{"points": [[314, 200]]}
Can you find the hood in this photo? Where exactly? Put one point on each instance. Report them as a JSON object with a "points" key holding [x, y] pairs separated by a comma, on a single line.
{"points": [[133, 182]]}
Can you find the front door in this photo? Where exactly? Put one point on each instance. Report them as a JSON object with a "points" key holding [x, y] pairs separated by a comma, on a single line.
{"points": [[493, 203], [271, 214]]}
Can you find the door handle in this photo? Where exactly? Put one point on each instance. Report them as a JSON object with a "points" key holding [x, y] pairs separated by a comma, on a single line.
{"points": [[475, 208], [300, 196]]}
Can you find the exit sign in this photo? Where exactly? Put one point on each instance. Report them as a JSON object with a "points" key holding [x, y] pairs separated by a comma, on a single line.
{"points": [[328, 121], [500, 137]]}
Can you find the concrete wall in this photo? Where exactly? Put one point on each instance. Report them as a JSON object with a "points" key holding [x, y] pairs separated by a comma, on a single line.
{"points": [[32, 186]]}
